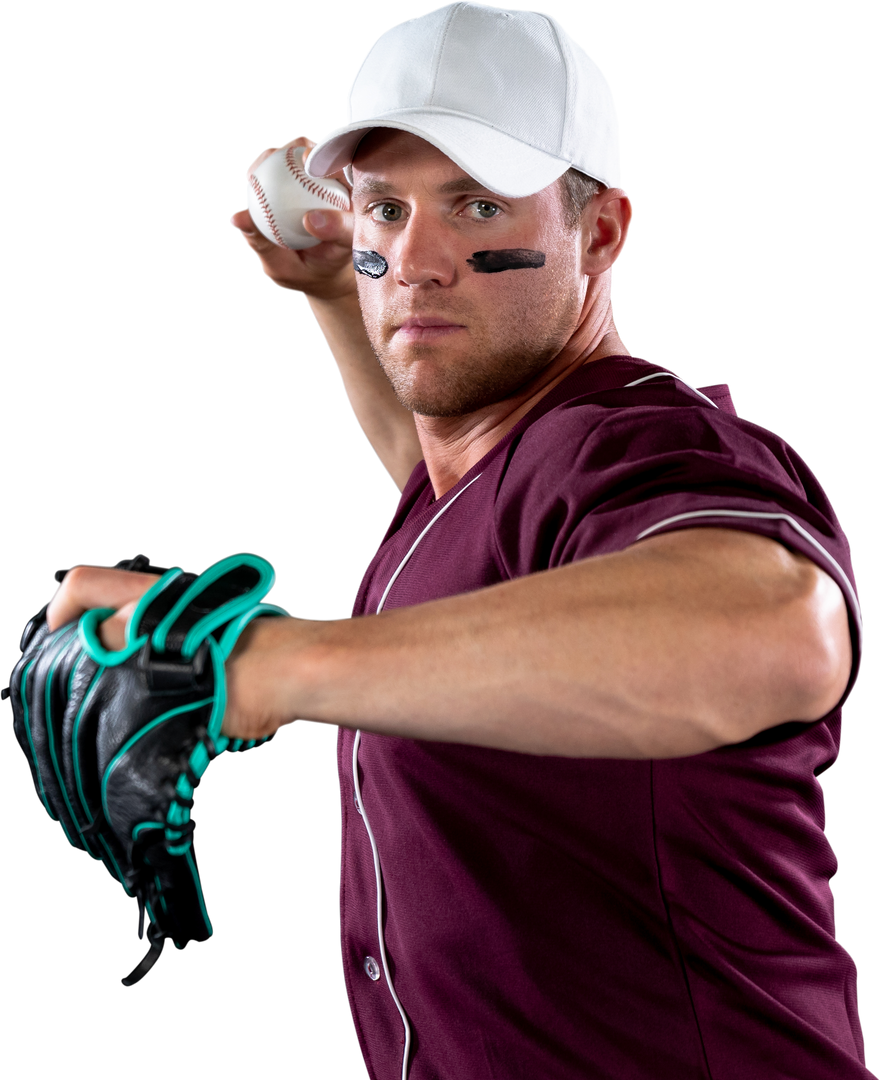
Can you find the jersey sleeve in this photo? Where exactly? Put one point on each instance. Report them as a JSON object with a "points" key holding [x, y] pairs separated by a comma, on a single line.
{"points": [[593, 478]]}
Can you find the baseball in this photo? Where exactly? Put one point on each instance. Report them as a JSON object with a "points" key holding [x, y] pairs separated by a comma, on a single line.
{"points": [[280, 191]]}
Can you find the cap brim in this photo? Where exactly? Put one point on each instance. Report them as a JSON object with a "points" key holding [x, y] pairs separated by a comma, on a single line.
{"points": [[493, 158]]}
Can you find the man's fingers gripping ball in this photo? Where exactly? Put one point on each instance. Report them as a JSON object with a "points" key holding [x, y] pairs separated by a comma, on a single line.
{"points": [[280, 192], [326, 226]]}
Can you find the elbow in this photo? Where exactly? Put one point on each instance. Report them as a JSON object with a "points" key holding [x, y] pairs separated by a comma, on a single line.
{"points": [[826, 652], [794, 661], [812, 650], [826, 669]]}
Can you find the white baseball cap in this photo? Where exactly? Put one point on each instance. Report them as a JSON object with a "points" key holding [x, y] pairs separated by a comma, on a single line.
{"points": [[507, 95]]}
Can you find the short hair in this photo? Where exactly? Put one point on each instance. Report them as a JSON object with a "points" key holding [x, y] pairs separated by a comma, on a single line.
{"points": [[577, 190]]}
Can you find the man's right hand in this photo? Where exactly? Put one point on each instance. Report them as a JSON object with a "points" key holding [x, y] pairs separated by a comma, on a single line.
{"points": [[326, 275], [324, 272]]}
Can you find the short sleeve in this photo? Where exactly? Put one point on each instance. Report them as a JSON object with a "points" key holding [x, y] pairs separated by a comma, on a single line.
{"points": [[597, 475]]}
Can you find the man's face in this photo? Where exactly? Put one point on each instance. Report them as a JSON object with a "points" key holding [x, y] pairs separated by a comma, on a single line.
{"points": [[464, 316]]}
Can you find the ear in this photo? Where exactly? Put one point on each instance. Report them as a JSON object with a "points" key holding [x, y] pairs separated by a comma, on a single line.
{"points": [[603, 230]]}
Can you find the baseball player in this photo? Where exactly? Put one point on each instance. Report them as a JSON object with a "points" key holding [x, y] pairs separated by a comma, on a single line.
{"points": [[598, 661]]}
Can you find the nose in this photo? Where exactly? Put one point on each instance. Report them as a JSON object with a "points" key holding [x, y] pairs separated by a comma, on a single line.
{"points": [[424, 253]]}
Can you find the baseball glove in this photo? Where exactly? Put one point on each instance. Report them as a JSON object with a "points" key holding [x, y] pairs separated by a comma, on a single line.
{"points": [[117, 741]]}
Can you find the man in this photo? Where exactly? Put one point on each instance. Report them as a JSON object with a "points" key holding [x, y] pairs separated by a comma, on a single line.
{"points": [[605, 640]]}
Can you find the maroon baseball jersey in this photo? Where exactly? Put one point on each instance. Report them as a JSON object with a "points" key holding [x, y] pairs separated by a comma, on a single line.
{"points": [[510, 916]]}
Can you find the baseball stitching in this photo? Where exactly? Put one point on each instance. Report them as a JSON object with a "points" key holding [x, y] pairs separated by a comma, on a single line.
{"points": [[336, 198], [267, 210]]}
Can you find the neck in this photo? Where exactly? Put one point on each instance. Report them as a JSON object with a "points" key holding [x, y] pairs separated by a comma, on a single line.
{"points": [[452, 445]]}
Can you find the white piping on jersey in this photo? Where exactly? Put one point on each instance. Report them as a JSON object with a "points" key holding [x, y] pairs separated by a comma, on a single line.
{"points": [[418, 540], [669, 375], [798, 528], [380, 892]]}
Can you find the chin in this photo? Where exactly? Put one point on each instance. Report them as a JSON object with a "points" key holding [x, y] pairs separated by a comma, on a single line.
{"points": [[429, 383], [454, 398]]}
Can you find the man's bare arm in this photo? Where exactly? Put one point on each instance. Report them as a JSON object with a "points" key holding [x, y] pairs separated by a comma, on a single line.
{"points": [[325, 275], [681, 643], [385, 422]]}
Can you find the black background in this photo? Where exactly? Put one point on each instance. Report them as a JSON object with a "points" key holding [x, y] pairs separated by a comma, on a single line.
{"points": [[163, 397]]}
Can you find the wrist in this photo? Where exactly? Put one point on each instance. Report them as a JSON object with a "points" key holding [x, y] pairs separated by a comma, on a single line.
{"points": [[269, 675]]}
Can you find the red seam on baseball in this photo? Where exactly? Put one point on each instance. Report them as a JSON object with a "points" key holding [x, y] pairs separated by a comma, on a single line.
{"points": [[335, 198], [267, 210]]}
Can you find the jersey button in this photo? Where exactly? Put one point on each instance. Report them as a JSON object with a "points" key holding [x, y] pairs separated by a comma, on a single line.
{"points": [[372, 968]]}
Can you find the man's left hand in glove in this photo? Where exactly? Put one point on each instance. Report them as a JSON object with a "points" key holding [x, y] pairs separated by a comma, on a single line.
{"points": [[118, 733]]}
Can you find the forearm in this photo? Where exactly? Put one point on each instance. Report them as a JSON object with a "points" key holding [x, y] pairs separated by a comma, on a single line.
{"points": [[671, 648], [386, 423]]}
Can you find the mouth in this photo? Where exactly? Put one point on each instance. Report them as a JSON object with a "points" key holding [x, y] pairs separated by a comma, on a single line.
{"points": [[426, 328]]}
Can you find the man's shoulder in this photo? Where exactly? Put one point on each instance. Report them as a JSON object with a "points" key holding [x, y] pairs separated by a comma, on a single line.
{"points": [[621, 410], [612, 387], [632, 444]]}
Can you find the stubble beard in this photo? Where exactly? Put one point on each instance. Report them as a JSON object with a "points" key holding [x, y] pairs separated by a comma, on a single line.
{"points": [[456, 391], [494, 370]]}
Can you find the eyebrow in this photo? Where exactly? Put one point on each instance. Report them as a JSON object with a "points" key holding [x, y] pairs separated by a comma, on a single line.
{"points": [[463, 184]]}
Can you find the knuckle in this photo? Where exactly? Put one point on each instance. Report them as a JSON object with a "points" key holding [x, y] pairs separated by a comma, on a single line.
{"points": [[76, 578]]}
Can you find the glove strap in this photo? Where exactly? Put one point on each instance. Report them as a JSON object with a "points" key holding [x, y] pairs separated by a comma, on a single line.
{"points": [[142, 565], [157, 941], [144, 890]]}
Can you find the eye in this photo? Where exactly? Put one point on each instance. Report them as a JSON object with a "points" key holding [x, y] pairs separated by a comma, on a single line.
{"points": [[483, 209], [386, 212]]}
